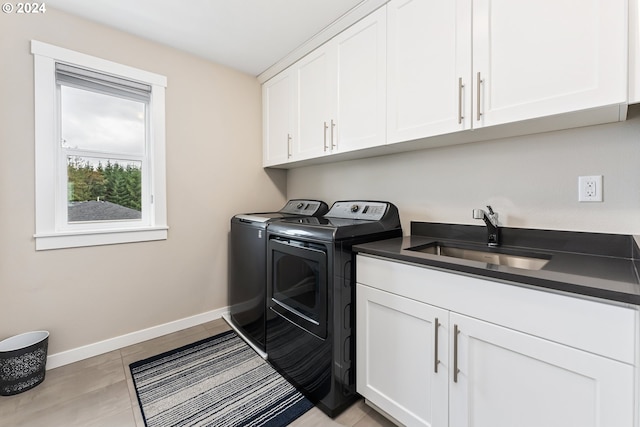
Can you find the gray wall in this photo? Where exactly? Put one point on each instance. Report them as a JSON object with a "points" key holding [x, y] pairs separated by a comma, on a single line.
{"points": [[214, 157], [531, 181]]}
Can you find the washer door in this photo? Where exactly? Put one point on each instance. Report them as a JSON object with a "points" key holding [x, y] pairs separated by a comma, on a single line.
{"points": [[298, 277]]}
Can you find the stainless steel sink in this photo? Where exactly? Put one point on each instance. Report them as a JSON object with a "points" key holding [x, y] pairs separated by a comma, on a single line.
{"points": [[513, 259]]}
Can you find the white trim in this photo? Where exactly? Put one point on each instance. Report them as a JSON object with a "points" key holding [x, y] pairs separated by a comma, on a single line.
{"points": [[88, 61], [111, 344], [339, 25], [98, 237], [52, 232]]}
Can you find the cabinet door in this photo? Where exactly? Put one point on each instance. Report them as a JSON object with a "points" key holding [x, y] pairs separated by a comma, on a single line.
{"points": [[277, 109], [361, 84], [315, 98], [539, 58], [429, 63], [507, 378], [396, 351], [634, 51]]}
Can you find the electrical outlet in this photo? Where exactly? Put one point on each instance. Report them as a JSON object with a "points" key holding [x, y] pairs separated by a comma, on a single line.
{"points": [[590, 188]]}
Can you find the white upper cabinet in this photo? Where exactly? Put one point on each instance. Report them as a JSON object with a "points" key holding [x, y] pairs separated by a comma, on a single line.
{"points": [[418, 69], [540, 58], [336, 95], [341, 91], [278, 108], [315, 104], [428, 68], [522, 60], [634, 51], [360, 116]]}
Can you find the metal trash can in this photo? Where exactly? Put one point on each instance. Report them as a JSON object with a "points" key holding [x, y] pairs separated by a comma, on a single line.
{"points": [[23, 359]]}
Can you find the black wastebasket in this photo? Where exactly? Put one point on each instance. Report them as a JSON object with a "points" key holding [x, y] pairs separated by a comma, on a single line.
{"points": [[23, 360]]}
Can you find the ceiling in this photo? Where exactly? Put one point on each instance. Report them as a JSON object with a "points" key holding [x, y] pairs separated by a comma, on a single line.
{"points": [[247, 35]]}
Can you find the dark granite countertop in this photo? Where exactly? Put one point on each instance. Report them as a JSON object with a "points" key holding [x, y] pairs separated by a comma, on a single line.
{"points": [[591, 264]]}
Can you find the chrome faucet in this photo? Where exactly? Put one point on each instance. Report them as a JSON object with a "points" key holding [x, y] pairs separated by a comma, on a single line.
{"points": [[491, 219]]}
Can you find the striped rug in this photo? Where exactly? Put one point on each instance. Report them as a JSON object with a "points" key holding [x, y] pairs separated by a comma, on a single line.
{"points": [[218, 381]]}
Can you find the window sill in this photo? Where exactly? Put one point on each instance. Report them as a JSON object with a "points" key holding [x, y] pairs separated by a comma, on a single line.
{"points": [[98, 237]]}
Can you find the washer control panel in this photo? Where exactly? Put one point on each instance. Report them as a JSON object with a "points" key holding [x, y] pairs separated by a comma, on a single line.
{"points": [[303, 207], [358, 209]]}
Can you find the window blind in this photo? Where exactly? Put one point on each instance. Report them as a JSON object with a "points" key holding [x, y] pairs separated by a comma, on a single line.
{"points": [[106, 83]]}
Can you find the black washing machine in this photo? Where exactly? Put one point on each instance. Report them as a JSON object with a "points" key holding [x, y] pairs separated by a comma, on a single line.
{"points": [[311, 297], [248, 270]]}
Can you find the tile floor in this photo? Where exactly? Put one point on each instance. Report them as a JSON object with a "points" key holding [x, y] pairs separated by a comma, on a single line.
{"points": [[98, 392]]}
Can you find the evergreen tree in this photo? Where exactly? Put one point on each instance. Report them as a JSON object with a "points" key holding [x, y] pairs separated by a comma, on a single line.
{"points": [[134, 188], [113, 183], [97, 183]]}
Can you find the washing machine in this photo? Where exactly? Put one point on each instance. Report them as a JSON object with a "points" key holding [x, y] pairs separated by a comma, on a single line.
{"points": [[248, 270], [311, 297]]}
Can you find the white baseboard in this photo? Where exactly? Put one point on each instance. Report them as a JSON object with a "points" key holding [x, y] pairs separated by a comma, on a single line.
{"points": [[101, 347]]}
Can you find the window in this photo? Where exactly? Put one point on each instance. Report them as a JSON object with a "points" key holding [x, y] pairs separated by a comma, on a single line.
{"points": [[100, 151]]}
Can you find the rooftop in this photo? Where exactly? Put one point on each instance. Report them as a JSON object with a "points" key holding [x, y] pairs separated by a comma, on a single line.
{"points": [[94, 210]]}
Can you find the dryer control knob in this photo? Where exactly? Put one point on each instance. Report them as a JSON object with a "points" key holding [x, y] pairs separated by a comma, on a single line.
{"points": [[354, 208], [299, 205]]}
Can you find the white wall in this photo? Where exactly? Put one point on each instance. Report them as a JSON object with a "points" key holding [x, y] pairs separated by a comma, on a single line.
{"points": [[531, 181], [214, 140]]}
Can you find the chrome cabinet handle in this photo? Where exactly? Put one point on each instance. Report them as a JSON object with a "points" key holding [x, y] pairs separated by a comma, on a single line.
{"points": [[456, 331], [435, 357], [288, 145], [478, 83], [333, 126], [325, 136], [460, 88]]}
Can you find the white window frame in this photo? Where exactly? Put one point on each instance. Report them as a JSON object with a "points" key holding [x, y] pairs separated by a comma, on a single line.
{"points": [[52, 229]]}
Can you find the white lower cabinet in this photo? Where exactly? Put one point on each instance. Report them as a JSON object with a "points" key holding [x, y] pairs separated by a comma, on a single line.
{"points": [[488, 374], [396, 357], [507, 378]]}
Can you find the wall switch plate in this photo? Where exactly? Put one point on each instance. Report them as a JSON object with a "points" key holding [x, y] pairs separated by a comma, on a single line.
{"points": [[590, 188]]}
